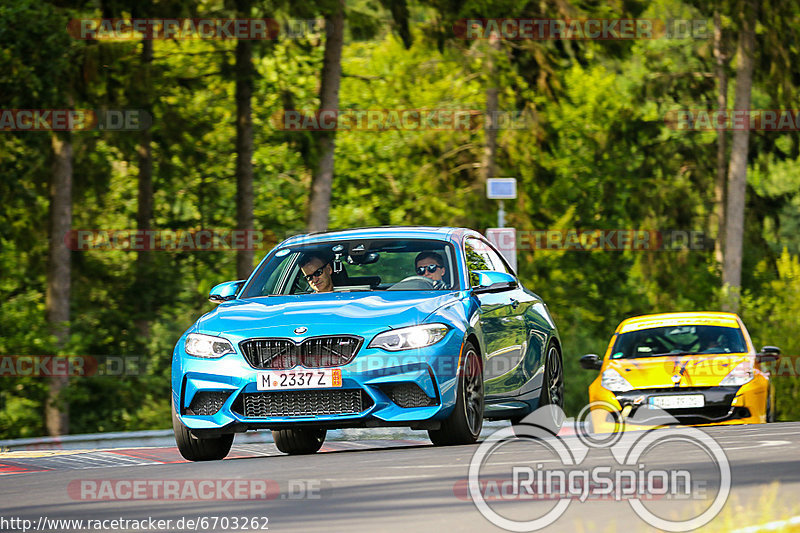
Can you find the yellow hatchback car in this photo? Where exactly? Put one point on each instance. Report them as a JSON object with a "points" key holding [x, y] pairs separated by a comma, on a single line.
{"points": [[699, 368]]}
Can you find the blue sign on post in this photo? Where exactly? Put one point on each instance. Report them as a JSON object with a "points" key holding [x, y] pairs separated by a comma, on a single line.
{"points": [[501, 188]]}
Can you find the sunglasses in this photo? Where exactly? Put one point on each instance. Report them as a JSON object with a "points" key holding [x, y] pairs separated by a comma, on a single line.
{"points": [[430, 268], [317, 273]]}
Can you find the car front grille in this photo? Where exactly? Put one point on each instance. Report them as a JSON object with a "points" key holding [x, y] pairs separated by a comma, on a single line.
{"points": [[207, 402], [305, 403], [717, 405], [316, 352], [702, 415]]}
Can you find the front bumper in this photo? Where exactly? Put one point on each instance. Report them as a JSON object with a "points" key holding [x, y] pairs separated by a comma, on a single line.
{"points": [[722, 406], [412, 388]]}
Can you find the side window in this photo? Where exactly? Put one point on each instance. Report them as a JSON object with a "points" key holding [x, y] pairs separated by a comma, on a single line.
{"points": [[495, 260], [476, 259]]}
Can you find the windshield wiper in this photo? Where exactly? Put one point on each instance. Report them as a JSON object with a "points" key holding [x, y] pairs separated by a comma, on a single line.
{"points": [[677, 353]]}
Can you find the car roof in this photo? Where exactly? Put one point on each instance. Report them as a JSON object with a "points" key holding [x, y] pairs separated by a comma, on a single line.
{"points": [[407, 232], [710, 318]]}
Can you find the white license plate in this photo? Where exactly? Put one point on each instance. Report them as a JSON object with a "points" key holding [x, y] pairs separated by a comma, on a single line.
{"points": [[319, 378], [678, 402]]}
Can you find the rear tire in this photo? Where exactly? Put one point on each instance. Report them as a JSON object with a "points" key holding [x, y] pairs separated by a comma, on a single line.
{"points": [[195, 449], [464, 424], [299, 441], [552, 390], [553, 384]]}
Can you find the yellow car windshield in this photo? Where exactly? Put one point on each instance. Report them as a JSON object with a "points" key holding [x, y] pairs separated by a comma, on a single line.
{"points": [[678, 340]]}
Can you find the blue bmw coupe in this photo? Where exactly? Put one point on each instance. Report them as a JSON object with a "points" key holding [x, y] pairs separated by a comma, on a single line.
{"points": [[426, 328]]}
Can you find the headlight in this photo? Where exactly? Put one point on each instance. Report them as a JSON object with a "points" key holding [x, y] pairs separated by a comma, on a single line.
{"points": [[207, 346], [410, 337], [613, 381], [741, 374]]}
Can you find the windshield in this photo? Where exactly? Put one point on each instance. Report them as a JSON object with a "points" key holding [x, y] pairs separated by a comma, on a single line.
{"points": [[674, 340], [357, 265]]}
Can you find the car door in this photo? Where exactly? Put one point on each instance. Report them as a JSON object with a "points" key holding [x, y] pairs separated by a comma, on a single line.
{"points": [[502, 320]]}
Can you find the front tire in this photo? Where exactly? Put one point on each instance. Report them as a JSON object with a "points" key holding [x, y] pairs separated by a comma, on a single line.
{"points": [[195, 449], [300, 441], [464, 424], [770, 411]]}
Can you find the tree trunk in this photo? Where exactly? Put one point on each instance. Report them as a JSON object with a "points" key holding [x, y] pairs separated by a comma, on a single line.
{"points": [[244, 143], [737, 171], [58, 274], [722, 106], [144, 214], [490, 148], [322, 182]]}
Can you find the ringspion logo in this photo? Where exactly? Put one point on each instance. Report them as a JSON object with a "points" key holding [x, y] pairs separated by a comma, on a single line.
{"points": [[633, 477]]}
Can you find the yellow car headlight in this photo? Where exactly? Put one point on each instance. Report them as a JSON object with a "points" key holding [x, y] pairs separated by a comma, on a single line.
{"points": [[613, 381], [741, 374]]}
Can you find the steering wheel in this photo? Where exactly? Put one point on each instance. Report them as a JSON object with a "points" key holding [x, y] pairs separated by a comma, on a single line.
{"points": [[422, 283]]}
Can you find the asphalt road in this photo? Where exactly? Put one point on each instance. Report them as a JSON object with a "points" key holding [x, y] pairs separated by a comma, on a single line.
{"points": [[404, 486]]}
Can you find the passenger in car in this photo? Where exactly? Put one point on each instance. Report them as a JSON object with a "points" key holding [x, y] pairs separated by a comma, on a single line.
{"points": [[431, 266], [317, 271]]}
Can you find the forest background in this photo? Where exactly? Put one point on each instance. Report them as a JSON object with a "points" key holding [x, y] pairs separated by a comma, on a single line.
{"points": [[596, 146]]}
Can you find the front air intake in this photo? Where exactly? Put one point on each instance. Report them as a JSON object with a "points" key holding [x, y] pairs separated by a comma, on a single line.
{"points": [[300, 403]]}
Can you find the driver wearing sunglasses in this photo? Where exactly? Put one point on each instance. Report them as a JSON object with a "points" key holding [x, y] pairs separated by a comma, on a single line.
{"points": [[317, 272], [430, 265]]}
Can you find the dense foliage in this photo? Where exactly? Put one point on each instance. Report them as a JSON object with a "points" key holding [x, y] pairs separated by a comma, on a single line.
{"points": [[595, 153]]}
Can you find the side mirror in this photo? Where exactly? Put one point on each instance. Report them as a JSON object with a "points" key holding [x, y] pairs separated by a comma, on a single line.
{"points": [[493, 281], [768, 353], [225, 291], [591, 361]]}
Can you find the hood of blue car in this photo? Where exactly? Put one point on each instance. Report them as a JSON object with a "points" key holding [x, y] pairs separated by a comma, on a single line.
{"points": [[322, 314]]}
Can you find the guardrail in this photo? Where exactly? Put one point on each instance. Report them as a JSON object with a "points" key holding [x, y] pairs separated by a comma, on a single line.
{"points": [[120, 439], [164, 437]]}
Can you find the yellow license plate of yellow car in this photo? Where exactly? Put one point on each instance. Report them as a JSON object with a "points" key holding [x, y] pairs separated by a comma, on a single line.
{"points": [[682, 401]]}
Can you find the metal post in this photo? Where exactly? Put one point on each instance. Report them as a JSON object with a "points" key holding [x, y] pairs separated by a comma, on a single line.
{"points": [[501, 216]]}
